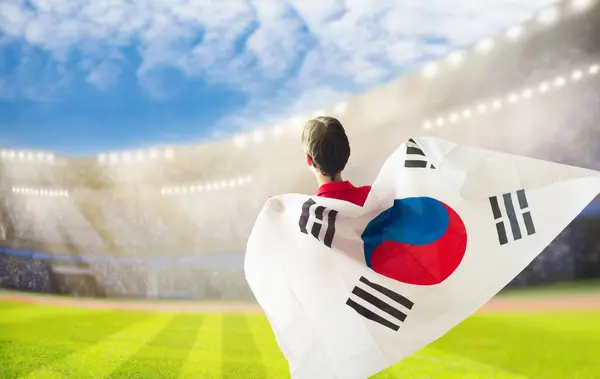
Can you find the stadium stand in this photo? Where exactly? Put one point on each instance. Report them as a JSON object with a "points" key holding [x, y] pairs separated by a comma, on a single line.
{"points": [[172, 221]]}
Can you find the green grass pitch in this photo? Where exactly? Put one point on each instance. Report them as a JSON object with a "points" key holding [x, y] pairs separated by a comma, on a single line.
{"points": [[40, 341]]}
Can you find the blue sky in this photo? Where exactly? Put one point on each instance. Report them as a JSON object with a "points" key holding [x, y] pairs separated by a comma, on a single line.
{"points": [[82, 77]]}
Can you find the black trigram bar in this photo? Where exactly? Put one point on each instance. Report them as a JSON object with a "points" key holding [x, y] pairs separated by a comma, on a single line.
{"points": [[415, 157], [377, 302], [511, 216], [305, 215], [526, 214], [315, 230]]}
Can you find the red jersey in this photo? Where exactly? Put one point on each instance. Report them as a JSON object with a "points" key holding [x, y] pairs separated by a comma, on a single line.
{"points": [[345, 191]]}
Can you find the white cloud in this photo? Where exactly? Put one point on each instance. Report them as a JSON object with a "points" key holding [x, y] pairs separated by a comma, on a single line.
{"points": [[105, 75], [332, 46]]}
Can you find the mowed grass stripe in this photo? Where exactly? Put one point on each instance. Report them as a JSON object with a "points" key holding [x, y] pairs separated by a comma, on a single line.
{"points": [[551, 345], [165, 354], [241, 357], [108, 354], [276, 366], [30, 345], [205, 359], [436, 364]]}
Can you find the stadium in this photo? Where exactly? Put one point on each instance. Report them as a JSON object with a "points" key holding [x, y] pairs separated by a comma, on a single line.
{"points": [[130, 264]]}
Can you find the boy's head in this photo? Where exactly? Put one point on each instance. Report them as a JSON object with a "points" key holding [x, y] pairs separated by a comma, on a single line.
{"points": [[326, 146]]}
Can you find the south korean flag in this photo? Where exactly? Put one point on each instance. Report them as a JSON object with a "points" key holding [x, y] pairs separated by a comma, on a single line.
{"points": [[350, 290]]}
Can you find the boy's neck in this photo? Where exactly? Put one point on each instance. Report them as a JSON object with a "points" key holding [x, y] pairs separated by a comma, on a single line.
{"points": [[322, 179]]}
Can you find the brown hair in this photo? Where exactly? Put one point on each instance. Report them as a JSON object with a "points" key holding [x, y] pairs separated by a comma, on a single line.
{"points": [[327, 145]]}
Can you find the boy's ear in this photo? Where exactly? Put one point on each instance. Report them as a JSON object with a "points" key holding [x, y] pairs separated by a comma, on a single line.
{"points": [[309, 160]]}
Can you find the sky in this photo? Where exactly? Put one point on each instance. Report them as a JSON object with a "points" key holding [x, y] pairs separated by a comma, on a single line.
{"points": [[90, 76]]}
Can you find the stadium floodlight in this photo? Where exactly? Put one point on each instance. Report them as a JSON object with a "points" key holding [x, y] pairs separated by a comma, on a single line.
{"points": [[430, 70], [427, 125], [340, 108], [440, 121], [199, 188], [512, 98], [577, 75], [240, 141], [163, 191], [514, 32], [113, 157], [580, 5], [527, 93], [169, 154], [560, 82], [277, 130], [594, 69], [548, 16], [497, 104], [485, 45], [467, 113], [456, 58], [297, 123], [240, 181], [482, 108], [453, 118], [257, 136], [248, 179], [544, 87]]}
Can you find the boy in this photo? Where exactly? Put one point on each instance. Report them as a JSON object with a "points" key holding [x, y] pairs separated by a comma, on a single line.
{"points": [[327, 151]]}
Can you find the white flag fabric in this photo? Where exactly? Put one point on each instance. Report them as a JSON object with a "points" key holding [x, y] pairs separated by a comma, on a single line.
{"points": [[350, 290]]}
